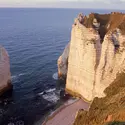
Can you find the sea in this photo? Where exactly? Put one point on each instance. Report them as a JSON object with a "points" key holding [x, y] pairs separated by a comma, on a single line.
{"points": [[34, 39]]}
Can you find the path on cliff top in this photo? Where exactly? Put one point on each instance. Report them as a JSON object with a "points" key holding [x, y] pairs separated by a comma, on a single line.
{"points": [[66, 115]]}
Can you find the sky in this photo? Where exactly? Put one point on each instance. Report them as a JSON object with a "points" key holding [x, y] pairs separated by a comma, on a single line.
{"points": [[101, 4]]}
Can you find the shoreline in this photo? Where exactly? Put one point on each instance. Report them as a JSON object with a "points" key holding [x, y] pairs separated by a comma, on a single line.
{"points": [[53, 117], [59, 109]]}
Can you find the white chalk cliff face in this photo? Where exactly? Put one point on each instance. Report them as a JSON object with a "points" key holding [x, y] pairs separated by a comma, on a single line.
{"points": [[5, 77], [112, 62], [83, 58], [93, 66]]}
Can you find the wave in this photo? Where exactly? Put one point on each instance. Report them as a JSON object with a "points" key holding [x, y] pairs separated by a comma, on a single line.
{"points": [[50, 90], [55, 76], [15, 77], [50, 95], [47, 91], [21, 74], [41, 93]]}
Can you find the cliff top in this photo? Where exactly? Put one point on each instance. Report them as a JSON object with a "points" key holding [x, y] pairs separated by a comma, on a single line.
{"points": [[104, 23]]}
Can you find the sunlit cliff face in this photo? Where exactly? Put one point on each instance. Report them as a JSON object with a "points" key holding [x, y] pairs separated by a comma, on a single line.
{"points": [[96, 54]]}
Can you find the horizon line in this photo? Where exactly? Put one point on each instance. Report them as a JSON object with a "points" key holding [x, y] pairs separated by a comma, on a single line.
{"points": [[58, 8]]}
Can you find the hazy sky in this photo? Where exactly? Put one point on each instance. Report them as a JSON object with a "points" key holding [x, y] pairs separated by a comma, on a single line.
{"points": [[113, 4]]}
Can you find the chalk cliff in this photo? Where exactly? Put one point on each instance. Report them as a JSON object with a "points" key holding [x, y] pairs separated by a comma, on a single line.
{"points": [[96, 54], [5, 76]]}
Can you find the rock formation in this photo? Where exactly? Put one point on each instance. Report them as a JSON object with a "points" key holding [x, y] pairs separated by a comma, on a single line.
{"points": [[96, 54], [63, 63], [5, 77]]}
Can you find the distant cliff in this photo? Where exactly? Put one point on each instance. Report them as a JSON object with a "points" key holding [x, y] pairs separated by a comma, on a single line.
{"points": [[5, 76], [95, 56]]}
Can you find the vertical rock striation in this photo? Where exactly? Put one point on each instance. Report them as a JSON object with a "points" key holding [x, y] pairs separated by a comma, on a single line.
{"points": [[5, 77]]}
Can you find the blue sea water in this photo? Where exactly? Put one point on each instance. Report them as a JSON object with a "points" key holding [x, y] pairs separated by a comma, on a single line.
{"points": [[34, 39]]}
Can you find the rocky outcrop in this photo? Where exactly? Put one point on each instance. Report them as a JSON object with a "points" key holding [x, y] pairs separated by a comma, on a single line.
{"points": [[5, 77], [96, 54], [63, 63]]}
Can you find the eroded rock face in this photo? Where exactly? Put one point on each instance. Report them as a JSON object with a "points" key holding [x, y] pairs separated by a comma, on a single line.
{"points": [[5, 77], [93, 66]]}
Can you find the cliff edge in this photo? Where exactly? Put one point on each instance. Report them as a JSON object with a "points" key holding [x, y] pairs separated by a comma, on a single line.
{"points": [[96, 54]]}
